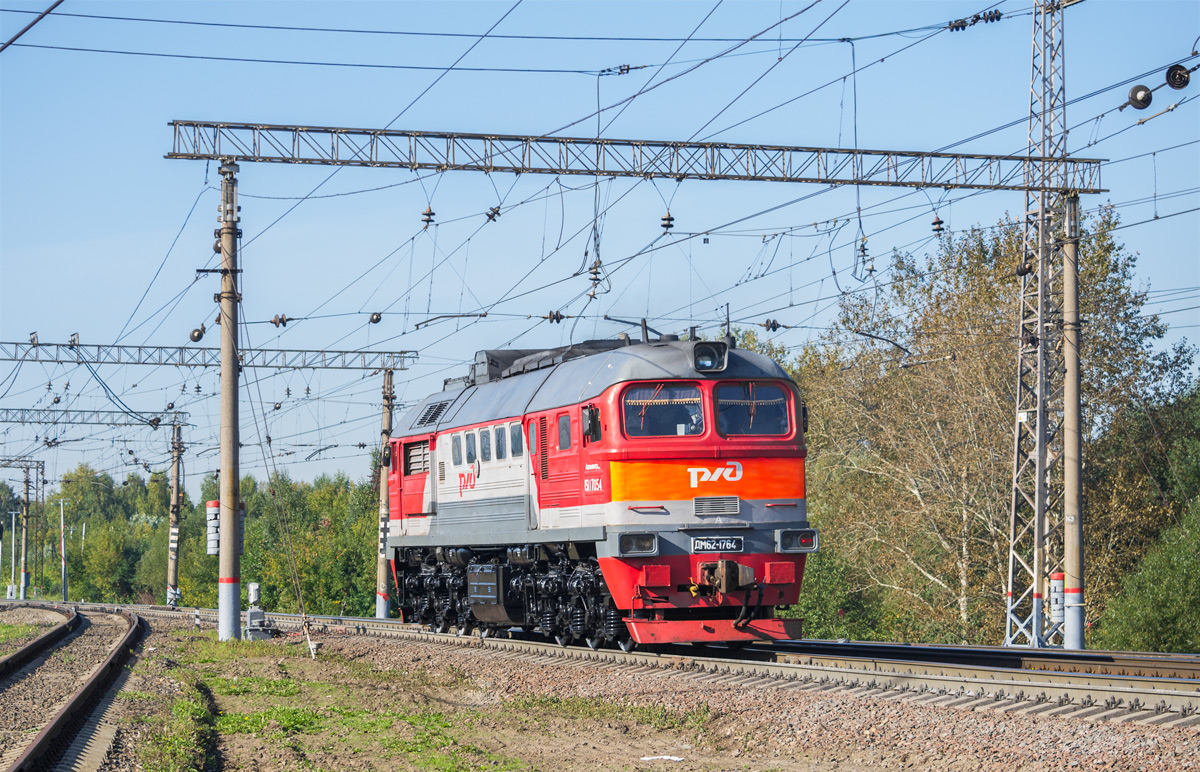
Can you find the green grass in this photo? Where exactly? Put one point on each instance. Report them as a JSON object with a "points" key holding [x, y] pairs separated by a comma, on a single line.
{"points": [[181, 743], [12, 632], [135, 695], [205, 649], [253, 685], [435, 749], [365, 721], [288, 721]]}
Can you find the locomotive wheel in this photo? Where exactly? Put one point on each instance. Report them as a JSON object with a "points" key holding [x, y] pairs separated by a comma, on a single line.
{"points": [[441, 626], [594, 643], [627, 644], [485, 632], [463, 630], [563, 639]]}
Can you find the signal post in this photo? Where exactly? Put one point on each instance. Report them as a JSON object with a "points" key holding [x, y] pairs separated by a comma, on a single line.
{"points": [[24, 541], [173, 594], [382, 601]]}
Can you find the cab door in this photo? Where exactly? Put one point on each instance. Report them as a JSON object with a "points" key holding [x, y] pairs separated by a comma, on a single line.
{"points": [[559, 467]]}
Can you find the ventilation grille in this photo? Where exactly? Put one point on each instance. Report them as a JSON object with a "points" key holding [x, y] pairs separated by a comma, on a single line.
{"points": [[543, 457], [416, 458], [716, 505], [432, 412], [441, 471]]}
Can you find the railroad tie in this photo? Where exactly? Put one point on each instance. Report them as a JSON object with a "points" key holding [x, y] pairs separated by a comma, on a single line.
{"points": [[10, 756], [90, 748]]}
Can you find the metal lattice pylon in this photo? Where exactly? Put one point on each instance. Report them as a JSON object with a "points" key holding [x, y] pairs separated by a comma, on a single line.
{"points": [[1036, 528]]}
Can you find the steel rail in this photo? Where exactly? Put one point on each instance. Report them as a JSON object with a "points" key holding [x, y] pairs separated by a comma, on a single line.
{"points": [[1141, 699], [1092, 661], [56, 734]]}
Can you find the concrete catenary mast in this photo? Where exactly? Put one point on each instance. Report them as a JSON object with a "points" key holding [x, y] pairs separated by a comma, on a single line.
{"points": [[229, 569]]}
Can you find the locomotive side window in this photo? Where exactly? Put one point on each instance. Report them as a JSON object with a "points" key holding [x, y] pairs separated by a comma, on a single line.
{"points": [[501, 431], [564, 432], [456, 449], [752, 409], [470, 448], [485, 444], [516, 437], [662, 410]]}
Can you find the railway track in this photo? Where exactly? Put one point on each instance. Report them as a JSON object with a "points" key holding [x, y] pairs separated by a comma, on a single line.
{"points": [[1103, 686], [54, 690]]}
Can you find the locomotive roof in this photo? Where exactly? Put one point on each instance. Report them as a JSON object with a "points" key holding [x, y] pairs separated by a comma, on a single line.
{"points": [[504, 383]]}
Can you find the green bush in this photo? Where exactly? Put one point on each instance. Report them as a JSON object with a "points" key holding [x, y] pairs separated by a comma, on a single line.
{"points": [[1159, 603]]}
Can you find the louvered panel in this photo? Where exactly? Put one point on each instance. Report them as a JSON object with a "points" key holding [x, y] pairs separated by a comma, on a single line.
{"points": [[542, 455], [416, 458], [716, 505], [432, 412]]}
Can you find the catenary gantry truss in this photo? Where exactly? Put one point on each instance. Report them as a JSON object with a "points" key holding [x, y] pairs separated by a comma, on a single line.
{"points": [[170, 356], [51, 417], [441, 151]]}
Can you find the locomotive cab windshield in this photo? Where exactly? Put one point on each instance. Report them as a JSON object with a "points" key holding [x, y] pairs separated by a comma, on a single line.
{"points": [[736, 409], [663, 410]]}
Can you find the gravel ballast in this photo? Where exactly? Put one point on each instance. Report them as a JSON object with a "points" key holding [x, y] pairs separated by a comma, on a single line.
{"points": [[32, 695], [766, 722], [571, 715]]}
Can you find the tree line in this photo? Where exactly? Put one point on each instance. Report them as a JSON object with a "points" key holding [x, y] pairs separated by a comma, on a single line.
{"points": [[117, 537], [912, 398]]}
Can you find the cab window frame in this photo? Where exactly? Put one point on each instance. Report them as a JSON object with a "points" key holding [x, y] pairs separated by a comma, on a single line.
{"points": [[789, 400], [516, 440], [563, 420], [701, 403], [500, 442]]}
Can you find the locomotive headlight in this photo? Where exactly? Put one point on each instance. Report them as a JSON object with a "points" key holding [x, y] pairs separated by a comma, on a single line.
{"points": [[709, 357], [638, 544], [800, 540]]}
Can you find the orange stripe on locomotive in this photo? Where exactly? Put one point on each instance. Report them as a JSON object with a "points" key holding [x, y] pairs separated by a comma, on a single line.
{"points": [[749, 478]]}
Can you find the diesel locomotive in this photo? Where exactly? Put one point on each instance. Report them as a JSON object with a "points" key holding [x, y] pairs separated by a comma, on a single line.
{"points": [[607, 492]]}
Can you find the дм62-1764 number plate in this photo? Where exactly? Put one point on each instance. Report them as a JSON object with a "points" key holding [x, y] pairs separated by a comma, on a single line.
{"points": [[716, 544]]}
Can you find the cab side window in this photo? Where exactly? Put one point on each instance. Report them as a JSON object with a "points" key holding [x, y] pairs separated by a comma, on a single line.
{"points": [[456, 449], [501, 449], [564, 432], [517, 438], [485, 444], [471, 448]]}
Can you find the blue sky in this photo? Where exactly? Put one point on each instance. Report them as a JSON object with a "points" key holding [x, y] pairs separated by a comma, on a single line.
{"points": [[90, 210]]}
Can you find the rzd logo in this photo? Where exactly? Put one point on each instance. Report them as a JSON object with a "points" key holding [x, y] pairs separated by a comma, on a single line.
{"points": [[731, 472], [466, 482]]}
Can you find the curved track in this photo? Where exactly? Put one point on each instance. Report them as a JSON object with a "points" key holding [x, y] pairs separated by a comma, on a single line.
{"points": [[50, 686], [1105, 686]]}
